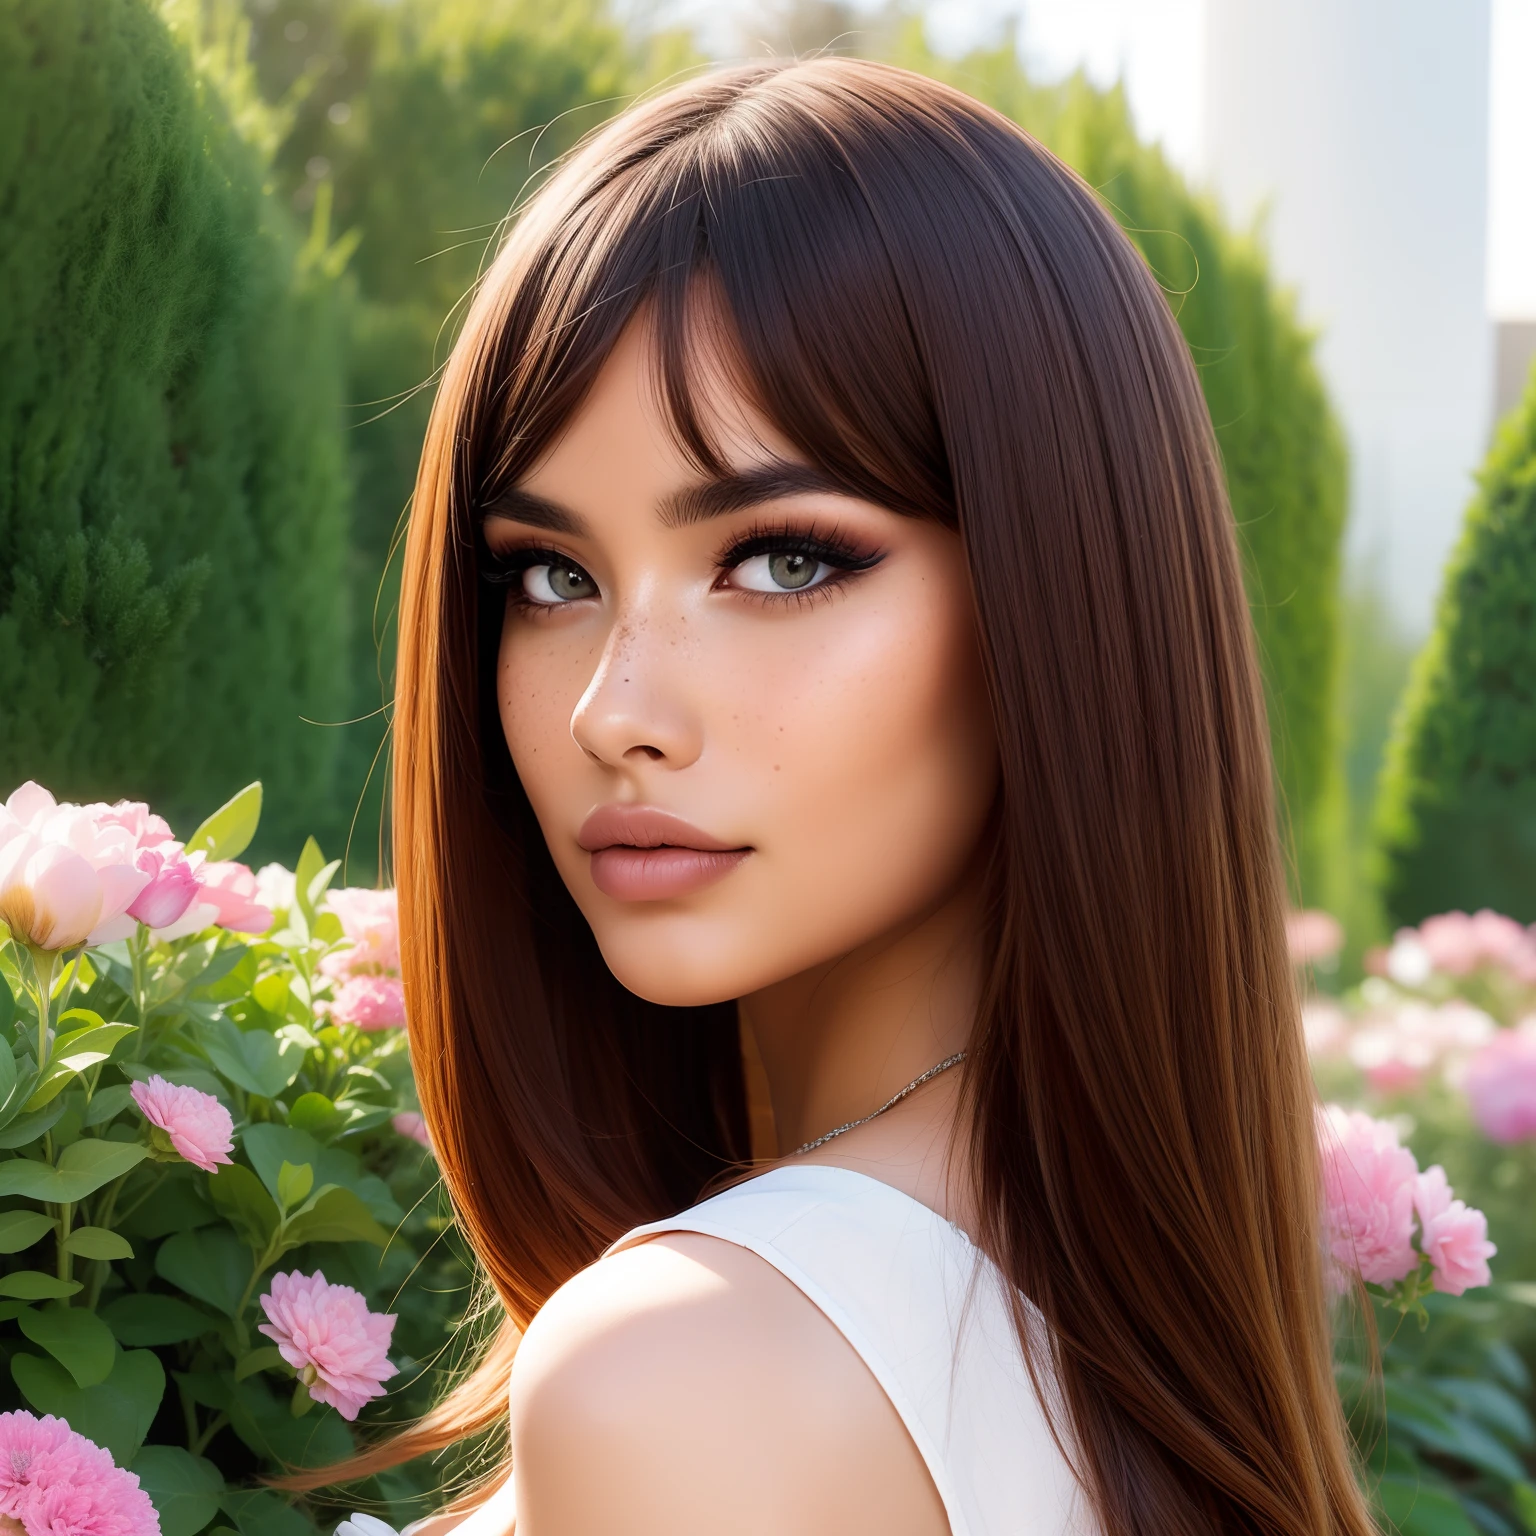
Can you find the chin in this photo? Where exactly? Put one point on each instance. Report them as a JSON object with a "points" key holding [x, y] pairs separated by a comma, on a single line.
{"points": [[681, 963]]}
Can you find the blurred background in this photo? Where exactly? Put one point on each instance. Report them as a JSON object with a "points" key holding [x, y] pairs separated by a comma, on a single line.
{"points": [[239, 237]]}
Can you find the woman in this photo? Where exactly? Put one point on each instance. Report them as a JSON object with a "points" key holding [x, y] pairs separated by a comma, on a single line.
{"points": [[823, 640]]}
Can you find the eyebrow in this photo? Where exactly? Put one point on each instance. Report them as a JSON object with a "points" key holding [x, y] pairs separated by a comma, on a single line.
{"points": [[693, 504]]}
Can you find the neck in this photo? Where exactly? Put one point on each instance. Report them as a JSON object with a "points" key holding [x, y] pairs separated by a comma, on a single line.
{"points": [[838, 1040]]}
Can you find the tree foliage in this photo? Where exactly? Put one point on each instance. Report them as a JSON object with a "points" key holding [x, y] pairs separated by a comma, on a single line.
{"points": [[172, 490], [1457, 815], [1280, 442]]}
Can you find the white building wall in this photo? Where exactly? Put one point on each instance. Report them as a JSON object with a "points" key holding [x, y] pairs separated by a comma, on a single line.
{"points": [[1362, 127]]}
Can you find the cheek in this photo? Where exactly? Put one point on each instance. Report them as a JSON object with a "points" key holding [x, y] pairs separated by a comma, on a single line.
{"points": [[885, 771], [540, 676]]}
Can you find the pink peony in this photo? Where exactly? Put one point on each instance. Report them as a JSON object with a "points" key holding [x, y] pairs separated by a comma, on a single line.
{"points": [[327, 1334], [54, 1482], [1452, 1234], [66, 876], [409, 1123], [194, 1123], [1500, 1085], [227, 897], [147, 829], [1369, 1182], [370, 1002], [172, 884], [371, 923], [1312, 936], [1456, 944]]}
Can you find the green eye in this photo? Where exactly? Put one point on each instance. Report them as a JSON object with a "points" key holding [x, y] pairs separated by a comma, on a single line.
{"points": [[555, 582], [792, 571]]}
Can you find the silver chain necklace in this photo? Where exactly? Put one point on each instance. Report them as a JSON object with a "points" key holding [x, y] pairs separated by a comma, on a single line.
{"points": [[890, 1103]]}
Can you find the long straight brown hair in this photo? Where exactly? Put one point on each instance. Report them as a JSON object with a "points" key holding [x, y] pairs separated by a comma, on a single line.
{"points": [[937, 312]]}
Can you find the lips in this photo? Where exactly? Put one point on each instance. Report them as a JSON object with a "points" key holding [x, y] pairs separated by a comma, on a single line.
{"points": [[640, 853]]}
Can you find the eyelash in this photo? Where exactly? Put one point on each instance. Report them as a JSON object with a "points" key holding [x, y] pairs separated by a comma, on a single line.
{"points": [[829, 547]]}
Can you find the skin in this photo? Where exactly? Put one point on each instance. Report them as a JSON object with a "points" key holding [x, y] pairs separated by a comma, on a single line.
{"points": [[844, 736]]}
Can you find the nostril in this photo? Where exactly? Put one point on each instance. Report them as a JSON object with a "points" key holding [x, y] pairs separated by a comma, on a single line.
{"points": [[655, 754]]}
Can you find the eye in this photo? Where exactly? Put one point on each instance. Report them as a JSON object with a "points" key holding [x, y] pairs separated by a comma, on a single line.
{"points": [[552, 582], [781, 570]]}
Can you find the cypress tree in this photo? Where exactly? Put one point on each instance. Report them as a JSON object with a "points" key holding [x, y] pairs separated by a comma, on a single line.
{"points": [[172, 497], [1456, 820]]}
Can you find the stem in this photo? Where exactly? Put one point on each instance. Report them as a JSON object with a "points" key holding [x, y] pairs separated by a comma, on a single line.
{"points": [[136, 955], [201, 1443], [66, 1258], [45, 963], [188, 1414]]}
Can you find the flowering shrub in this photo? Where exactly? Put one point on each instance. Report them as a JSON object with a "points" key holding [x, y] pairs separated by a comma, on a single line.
{"points": [[1438, 1044], [204, 1095]]}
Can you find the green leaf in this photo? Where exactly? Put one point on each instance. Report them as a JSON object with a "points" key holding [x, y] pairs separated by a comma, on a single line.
{"points": [[98, 1243], [1523, 1497], [74, 1052], [84, 1166], [335, 1216], [8, 1008], [210, 1264], [266, 1359], [294, 1184], [184, 1488], [260, 1417], [1418, 1507], [115, 1413], [25, 1129], [20, 1229], [311, 862], [228, 832], [77, 1339], [271, 991], [252, 1059], [177, 1204], [262, 1513], [242, 1200], [152, 1319], [106, 1103], [34, 1285], [315, 1115], [269, 1146], [7, 1056]]}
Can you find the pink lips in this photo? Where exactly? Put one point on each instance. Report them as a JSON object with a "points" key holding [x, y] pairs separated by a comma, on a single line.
{"points": [[640, 853]]}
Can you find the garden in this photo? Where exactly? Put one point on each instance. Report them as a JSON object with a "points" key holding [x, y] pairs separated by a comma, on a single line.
{"points": [[239, 236]]}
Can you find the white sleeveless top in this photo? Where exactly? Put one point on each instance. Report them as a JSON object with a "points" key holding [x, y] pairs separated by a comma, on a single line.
{"points": [[928, 1315]]}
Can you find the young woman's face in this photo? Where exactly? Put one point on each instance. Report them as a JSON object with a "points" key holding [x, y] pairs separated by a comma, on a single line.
{"points": [[749, 713]]}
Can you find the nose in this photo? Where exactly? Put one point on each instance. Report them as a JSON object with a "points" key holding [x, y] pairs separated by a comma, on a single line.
{"points": [[636, 709]]}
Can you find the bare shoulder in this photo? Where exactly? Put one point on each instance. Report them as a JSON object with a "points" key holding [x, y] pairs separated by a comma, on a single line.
{"points": [[685, 1386]]}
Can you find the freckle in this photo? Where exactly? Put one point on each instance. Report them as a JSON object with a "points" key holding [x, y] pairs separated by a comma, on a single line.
{"points": [[777, 766]]}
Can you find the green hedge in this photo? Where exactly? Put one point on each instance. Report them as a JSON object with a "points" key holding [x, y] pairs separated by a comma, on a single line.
{"points": [[1280, 442], [1457, 812], [172, 489]]}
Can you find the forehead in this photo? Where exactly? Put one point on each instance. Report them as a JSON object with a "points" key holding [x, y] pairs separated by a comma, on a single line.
{"points": [[626, 416]]}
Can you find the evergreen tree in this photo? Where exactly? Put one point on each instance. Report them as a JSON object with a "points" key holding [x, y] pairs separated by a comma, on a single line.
{"points": [[172, 492], [1457, 812]]}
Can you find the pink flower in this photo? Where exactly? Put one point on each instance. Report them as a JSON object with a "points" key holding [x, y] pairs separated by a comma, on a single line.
{"points": [[148, 830], [409, 1123], [1312, 936], [54, 1482], [327, 1334], [1452, 1234], [194, 1123], [66, 876], [371, 923], [1456, 944], [1500, 1085], [370, 1002], [226, 897], [172, 884], [1369, 1182], [274, 887]]}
